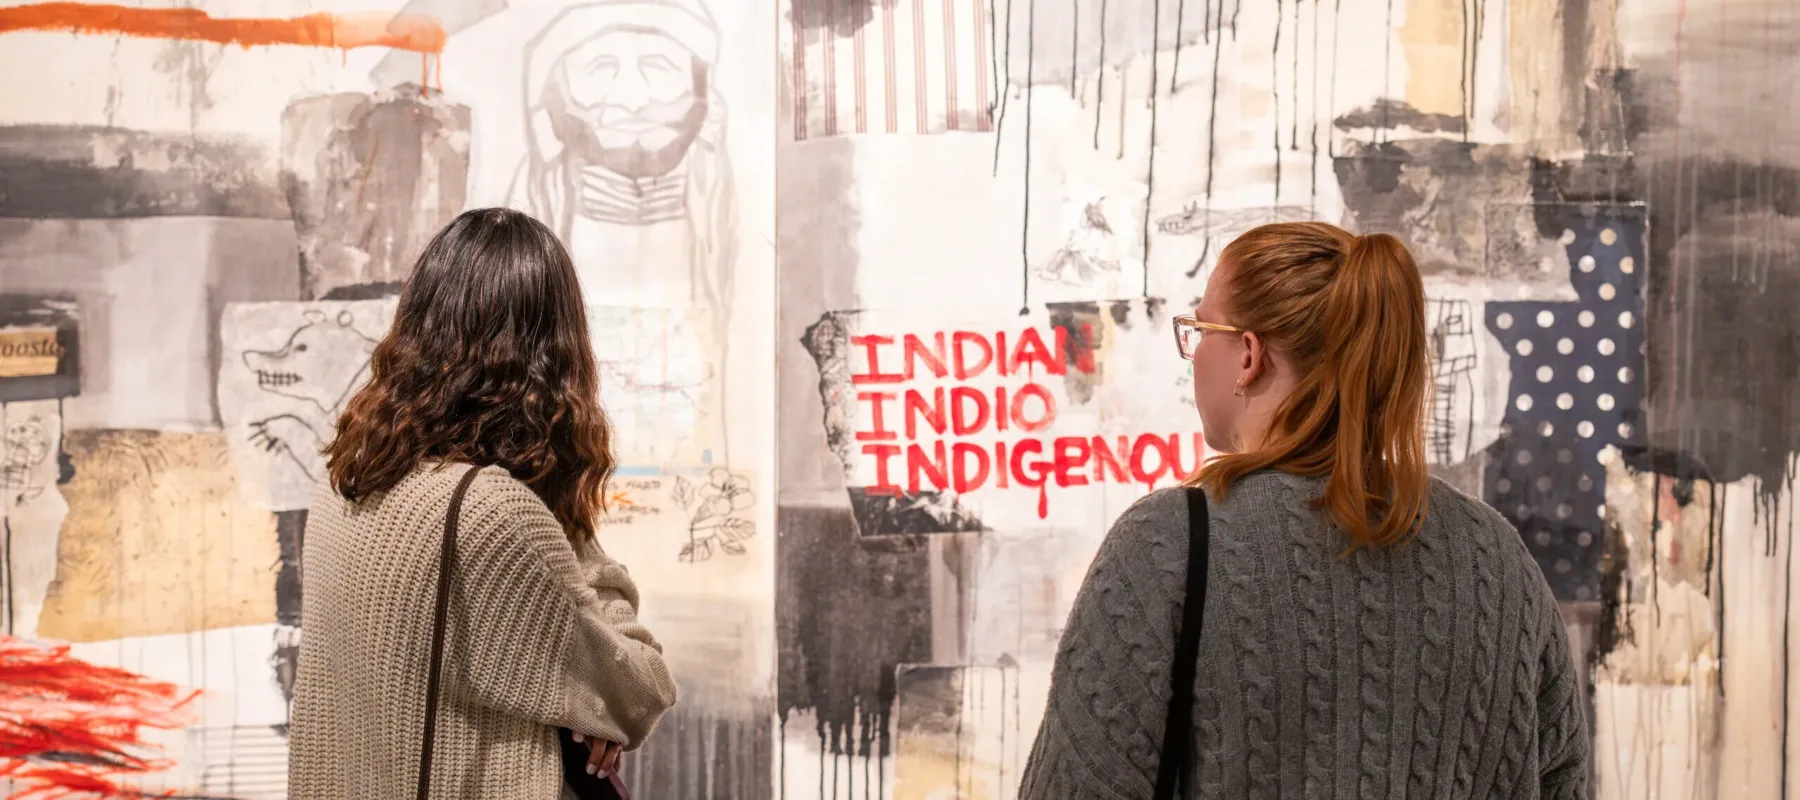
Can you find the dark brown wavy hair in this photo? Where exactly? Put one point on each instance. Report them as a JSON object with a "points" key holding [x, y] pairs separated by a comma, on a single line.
{"points": [[488, 362]]}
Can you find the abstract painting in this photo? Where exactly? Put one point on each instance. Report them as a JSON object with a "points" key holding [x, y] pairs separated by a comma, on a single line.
{"points": [[881, 296]]}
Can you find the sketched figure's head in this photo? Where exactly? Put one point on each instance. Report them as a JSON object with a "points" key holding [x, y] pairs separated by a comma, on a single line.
{"points": [[321, 361], [623, 85], [488, 362]]}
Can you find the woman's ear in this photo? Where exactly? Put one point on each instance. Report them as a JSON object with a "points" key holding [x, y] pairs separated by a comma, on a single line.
{"points": [[1253, 359]]}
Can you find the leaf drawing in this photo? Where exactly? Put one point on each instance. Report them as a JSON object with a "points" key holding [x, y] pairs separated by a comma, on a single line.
{"points": [[697, 551], [683, 492], [734, 548], [735, 528]]}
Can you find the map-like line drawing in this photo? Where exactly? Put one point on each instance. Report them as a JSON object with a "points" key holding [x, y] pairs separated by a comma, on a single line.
{"points": [[25, 446]]}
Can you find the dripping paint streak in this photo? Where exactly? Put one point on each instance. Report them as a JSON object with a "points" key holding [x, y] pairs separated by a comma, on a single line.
{"points": [[1149, 172], [1205, 26], [1180, 16], [1656, 488], [1475, 58], [1275, 89], [1003, 759], [830, 62], [1017, 739], [1025, 215], [800, 86], [1387, 71], [1002, 78], [1234, 15], [1337, 15], [1294, 94], [1715, 526], [1074, 48], [1462, 80], [1212, 126], [411, 32], [1212, 117], [982, 64], [993, 32], [1313, 204], [1100, 76], [1788, 604], [963, 687], [1150, 167]]}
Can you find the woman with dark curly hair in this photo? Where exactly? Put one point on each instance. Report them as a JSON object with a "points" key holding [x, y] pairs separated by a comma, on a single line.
{"points": [[482, 410]]}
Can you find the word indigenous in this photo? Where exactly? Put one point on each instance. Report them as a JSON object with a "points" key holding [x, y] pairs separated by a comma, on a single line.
{"points": [[980, 431]]}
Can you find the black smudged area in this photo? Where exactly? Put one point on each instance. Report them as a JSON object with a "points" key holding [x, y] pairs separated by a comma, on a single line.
{"points": [[847, 613], [93, 172]]}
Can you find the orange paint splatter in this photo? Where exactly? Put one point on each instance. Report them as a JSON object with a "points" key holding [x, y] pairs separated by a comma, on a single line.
{"points": [[411, 32]]}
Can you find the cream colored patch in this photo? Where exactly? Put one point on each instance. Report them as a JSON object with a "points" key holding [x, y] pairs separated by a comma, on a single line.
{"points": [[1431, 38], [157, 540]]}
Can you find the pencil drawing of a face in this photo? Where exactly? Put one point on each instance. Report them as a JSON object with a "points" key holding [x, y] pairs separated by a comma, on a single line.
{"points": [[630, 100]]}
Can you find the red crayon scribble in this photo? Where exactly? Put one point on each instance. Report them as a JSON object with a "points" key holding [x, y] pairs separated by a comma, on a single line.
{"points": [[411, 32], [72, 729]]}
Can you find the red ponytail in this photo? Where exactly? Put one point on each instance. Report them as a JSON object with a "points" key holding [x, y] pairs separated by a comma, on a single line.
{"points": [[1350, 311]]}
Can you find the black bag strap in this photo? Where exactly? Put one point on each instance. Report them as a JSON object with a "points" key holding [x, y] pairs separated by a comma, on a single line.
{"points": [[1176, 765], [445, 565]]}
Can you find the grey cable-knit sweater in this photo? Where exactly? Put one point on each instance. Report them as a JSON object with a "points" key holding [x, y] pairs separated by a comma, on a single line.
{"points": [[1439, 670], [540, 635]]}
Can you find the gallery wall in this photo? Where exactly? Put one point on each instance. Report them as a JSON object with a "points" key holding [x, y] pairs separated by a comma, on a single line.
{"points": [[882, 303]]}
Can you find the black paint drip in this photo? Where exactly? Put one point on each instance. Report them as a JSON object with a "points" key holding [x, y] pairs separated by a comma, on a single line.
{"points": [[1175, 72], [1313, 92], [1463, 79], [1100, 77], [1075, 49], [1337, 15], [1212, 138], [1003, 87], [1294, 128], [1387, 72], [1150, 168], [1025, 214], [1275, 89]]}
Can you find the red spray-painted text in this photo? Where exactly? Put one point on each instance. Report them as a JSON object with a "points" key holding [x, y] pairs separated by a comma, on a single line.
{"points": [[982, 429]]}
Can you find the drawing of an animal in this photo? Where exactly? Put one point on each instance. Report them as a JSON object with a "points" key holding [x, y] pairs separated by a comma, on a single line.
{"points": [[321, 363], [1219, 225]]}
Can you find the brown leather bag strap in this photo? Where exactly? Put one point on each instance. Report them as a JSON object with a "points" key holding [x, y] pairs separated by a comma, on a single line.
{"points": [[445, 565]]}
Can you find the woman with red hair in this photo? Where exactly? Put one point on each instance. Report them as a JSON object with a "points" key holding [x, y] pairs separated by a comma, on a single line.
{"points": [[1364, 630]]}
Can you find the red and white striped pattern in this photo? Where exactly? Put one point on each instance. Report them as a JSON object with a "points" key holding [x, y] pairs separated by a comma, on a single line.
{"points": [[918, 67]]}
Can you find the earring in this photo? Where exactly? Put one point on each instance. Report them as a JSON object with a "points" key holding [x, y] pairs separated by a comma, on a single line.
{"points": [[1240, 388]]}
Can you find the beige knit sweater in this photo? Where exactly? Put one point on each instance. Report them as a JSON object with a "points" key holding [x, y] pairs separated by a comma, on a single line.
{"points": [[539, 636]]}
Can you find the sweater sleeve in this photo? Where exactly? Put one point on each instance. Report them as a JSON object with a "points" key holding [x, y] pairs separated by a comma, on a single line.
{"points": [[1563, 748], [544, 636], [1110, 683]]}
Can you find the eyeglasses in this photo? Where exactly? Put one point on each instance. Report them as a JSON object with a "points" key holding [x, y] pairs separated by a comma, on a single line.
{"points": [[1189, 329]]}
